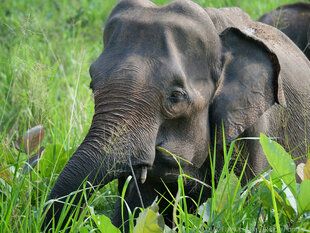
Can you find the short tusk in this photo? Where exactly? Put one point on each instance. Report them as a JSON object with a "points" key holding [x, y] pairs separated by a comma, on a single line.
{"points": [[143, 174]]}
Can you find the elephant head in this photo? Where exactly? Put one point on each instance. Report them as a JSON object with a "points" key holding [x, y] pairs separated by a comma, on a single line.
{"points": [[166, 78]]}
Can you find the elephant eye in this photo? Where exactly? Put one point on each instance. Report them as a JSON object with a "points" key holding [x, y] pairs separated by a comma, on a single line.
{"points": [[177, 96], [177, 103]]}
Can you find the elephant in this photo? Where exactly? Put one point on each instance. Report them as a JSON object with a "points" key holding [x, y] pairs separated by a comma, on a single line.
{"points": [[294, 20], [176, 77]]}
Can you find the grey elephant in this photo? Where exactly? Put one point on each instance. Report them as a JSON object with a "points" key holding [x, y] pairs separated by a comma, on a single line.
{"points": [[294, 20], [172, 76]]}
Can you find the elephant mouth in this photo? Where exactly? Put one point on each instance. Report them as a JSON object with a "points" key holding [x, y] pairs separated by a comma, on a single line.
{"points": [[164, 160], [164, 168]]}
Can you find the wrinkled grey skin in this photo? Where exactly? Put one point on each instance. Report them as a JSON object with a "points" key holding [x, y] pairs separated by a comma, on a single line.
{"points": [[169, 76], [294, 20]]}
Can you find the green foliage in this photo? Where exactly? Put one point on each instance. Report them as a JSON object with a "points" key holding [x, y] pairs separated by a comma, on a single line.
{"points": [[303, 198], [150, 221], [225, 191], [266, 203], [7, 154], [280, 161], [284, 170], [53, 160], [104, 224]]}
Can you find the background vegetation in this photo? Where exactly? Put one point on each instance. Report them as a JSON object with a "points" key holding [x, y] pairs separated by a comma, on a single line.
{"points": [[46, 50]]}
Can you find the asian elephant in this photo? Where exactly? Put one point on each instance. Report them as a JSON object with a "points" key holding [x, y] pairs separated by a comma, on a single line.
{"points": [[294, 20], [172, 76]]}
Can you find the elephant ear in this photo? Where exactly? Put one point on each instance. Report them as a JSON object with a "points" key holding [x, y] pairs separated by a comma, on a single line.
{"points": [[248, 86]]}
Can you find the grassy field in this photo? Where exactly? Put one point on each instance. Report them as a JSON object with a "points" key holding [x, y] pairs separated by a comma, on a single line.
{"points": [[46, 50]]}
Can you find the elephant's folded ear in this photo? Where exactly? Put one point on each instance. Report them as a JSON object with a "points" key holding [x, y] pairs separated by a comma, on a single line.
{"points": [[248, 86]]}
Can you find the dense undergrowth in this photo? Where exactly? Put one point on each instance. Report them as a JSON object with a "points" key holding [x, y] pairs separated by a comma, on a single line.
{"points": [[46, 50]]}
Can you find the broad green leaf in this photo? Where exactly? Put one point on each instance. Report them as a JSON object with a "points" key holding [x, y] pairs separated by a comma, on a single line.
{"points": [[303, 198], [104, 224], [307, 170], [275, 207], [277, 196], [280, 161], [84, 230], [266, 199], [205, 210], [149, 221], [195, 221], [276, 180], [154, 206], [290, 202], [168, 230], [225, 191]]}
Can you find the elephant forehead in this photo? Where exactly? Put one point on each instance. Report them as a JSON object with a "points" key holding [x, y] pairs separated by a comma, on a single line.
{"points": [[150, 19], [184, 19], [146, 43]]}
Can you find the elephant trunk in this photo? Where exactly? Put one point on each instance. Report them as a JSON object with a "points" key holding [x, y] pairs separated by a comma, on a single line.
{"points": [[84, 166], [105, 154]]}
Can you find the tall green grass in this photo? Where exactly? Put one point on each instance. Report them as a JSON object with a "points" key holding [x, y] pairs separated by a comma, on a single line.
{"points": [[46, 50], [272, 202]]}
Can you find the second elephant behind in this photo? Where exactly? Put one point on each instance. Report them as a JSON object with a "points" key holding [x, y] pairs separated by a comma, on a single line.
{"points": [[293, 20]]}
